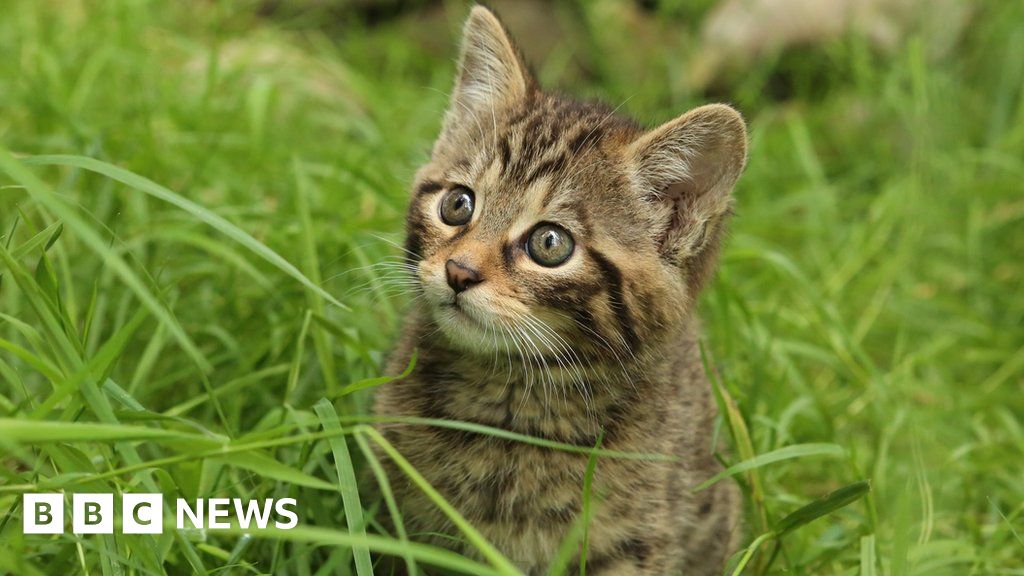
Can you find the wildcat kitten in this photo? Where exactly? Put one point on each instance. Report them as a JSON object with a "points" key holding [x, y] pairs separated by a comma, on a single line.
{"points": [[559, 249]]}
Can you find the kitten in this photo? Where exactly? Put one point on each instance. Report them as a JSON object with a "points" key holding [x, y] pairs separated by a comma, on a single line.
{"points": [[559, 249]]}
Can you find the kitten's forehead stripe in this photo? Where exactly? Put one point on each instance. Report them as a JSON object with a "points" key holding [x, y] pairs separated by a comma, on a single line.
{"points": [[546, 168], [428, 187], [547, 134], [586, 139], [584, 219], [506, 153], [616, 297]]}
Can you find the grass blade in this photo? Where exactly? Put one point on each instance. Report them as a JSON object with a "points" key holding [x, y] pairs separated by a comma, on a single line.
{"points": [[823, 506], [389, 500], [486, 549], [311, 262], [347, 483], [588, 497], [42, 194], [267, 467], [327, 537], [787, 453], [379, 380], [868, 561], [40, 432], [216, 221]]}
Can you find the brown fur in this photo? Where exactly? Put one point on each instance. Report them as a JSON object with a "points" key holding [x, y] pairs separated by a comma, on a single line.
{"points": [[605, 342]]}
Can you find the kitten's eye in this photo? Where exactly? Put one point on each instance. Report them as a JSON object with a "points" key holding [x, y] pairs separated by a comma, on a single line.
{"points": [[457, 206], [549, 245]]}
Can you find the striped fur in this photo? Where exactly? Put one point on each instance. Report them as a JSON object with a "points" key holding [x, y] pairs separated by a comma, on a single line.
{"points": [[605, 343]]}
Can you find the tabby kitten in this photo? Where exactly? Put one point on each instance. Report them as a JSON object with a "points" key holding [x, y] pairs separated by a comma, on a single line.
{"points": [[558, 249]]}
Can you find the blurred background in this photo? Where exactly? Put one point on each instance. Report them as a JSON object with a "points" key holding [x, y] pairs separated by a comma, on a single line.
{"points": [[869, 302]]}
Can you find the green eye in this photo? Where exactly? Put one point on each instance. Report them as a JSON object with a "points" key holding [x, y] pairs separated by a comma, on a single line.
{"points": [[457, 206], [549, 245]]}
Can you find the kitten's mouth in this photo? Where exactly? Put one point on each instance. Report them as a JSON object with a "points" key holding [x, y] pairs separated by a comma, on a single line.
{"points": [[459, 311], [458, 322]]}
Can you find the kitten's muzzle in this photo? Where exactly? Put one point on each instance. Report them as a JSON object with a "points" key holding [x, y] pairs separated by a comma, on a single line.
{"points": [[461, 277]]}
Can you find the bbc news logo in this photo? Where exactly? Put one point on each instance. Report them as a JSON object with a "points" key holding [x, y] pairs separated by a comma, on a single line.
{"points": [[144, 513]]}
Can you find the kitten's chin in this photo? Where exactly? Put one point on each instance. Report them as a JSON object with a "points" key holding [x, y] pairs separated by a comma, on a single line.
{"points": [[463, 330]]}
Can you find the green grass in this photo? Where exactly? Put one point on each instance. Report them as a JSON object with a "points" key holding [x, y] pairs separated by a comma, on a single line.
{"points": [[190, 197]]}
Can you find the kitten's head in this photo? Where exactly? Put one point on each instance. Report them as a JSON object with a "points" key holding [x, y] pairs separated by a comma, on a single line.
{"points": [[541, 221]]}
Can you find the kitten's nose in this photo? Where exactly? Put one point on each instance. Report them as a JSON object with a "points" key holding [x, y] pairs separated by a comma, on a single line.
{"points": [[460, 277]]}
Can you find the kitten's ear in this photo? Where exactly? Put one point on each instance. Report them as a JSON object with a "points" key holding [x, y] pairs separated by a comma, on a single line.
{"points": [[685, 170], [491, 72]]}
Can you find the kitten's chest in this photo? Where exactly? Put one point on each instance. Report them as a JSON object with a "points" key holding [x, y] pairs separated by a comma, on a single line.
{"points": [[520, 497], [523, 494], [519, 404], [494, 479]]}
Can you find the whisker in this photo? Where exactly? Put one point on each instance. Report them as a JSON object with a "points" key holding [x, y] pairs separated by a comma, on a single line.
{"points": [[396, 245], [565, 356], [551, 346]]}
